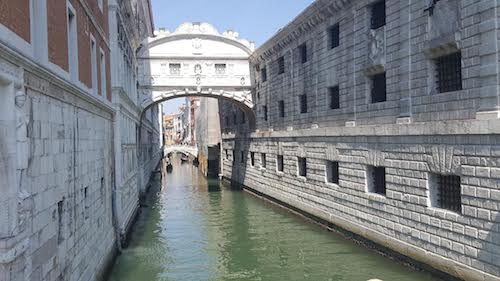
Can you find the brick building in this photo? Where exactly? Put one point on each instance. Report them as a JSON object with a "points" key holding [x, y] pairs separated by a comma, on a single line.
{"points": [[381, 117], [57, 139]]}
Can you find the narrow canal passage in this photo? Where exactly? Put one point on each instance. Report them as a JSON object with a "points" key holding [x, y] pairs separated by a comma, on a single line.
{"points": [[196, 229]]}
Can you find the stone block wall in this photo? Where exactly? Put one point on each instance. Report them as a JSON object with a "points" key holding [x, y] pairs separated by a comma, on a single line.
{"points": [[417, 134]]}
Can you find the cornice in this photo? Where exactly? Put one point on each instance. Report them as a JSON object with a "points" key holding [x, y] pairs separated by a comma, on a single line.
{"points": [[317, 13]]}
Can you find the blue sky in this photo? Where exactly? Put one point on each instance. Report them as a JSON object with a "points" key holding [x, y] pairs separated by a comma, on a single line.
{"points": [[255, 20]]}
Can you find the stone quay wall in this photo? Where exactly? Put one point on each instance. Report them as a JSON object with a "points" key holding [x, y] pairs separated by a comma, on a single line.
{"points": [[417, 132]]}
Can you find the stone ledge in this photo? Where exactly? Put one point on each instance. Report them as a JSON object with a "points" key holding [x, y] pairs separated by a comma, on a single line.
{"points": [[469, 127]]}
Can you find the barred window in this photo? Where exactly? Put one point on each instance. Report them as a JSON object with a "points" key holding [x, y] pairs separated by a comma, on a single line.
{"points": [[252, 158], [378, 15], [263, 74], [303, 53], [220, 68], [334, 96], [302, 167], [446, 192], [281, 65], [175, 68], [332, 172], [303, 103], [378, 91], [376, 180], [334, 35], [449, 72], [279, 163], [263, 163], [281, 107]]}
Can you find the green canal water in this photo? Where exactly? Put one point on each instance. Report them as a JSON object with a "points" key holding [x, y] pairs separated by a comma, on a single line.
{"points": [[194, 229]]}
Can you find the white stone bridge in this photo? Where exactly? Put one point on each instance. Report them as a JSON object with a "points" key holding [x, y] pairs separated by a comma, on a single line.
{"points": [[185, 149]]}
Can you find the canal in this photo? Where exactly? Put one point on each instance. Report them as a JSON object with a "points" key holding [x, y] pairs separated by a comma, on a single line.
{"points": [[194, 229]]}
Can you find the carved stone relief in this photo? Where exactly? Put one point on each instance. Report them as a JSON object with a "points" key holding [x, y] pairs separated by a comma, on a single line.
{"points": [[442, 160], [376, 49]]}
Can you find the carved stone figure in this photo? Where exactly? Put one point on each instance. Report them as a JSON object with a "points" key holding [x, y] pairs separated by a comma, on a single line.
{"points": [[376, 53], [197, 69], [22, 121]]}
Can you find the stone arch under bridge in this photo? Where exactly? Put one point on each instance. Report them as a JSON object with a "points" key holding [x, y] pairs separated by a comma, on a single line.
{"points": [[196, 60]]}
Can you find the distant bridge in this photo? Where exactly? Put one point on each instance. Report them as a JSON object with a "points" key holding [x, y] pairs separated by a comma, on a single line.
{"points": [[186, 149]]}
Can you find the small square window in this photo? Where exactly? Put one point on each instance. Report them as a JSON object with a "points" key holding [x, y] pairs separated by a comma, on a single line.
{"points": [[446, 192], [263, 74], [281, 107], [175, 68], [264, 111], [301, 167], [263, 163], [279, 163], [303, 103], [281, 65], [378, 91], [378, 15], [449, 73], [252, 158], [220, 68], [376, 180], [334, 35], [334, 96], [332, 172], [303, 53]]}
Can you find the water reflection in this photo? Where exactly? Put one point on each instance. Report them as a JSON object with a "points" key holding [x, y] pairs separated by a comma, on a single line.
{"points": [[199, 229]]}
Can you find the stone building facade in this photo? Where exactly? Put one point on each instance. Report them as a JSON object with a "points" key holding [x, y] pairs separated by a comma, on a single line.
{"points": [[57, 140], [208, 136], [382, 117]]}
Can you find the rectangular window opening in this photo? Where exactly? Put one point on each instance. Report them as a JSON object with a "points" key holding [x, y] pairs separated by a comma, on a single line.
{"points": [[252, 158], [303, 53], [376, 180], [378, 89], [73, 45], [281, 106], [263, 163], [93, 65], [175, 68], [103, 75], [263, 73], [378, 14], [220, 68], [60, 237], [242, 157], [446, 192], [281, 65], [332, 172], [334, 95], [280, 163], [449, 73], [264, 109], [302, 167], [334, 33], [303, 103]]}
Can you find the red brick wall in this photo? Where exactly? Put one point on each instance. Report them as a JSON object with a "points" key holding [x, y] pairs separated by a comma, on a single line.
{"points": [[57, 26], [15, 15]]}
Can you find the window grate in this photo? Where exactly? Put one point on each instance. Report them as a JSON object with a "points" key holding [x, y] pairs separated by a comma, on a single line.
{"points": [[332, 172], [376, 180], [175, 68], [378, 15], [334, 97], [280, 163], [281, 65], [220, 68], [449, 72], [379, 93], [334, 36], [449, 193], [263, 74], [302, 166], [303, 103], [303, 53], [281, 106]]}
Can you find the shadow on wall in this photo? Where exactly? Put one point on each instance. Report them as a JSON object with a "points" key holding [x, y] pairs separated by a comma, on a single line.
{"points": [[489, 247]]}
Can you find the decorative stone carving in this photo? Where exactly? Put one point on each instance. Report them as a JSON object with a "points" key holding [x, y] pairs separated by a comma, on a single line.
{"points": [[22, 140], [441, 160], [197, 43], [197, 69], [376, 50]]}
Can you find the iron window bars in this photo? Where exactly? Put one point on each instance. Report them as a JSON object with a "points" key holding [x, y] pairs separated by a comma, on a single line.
{"points": [[449, 72]]}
